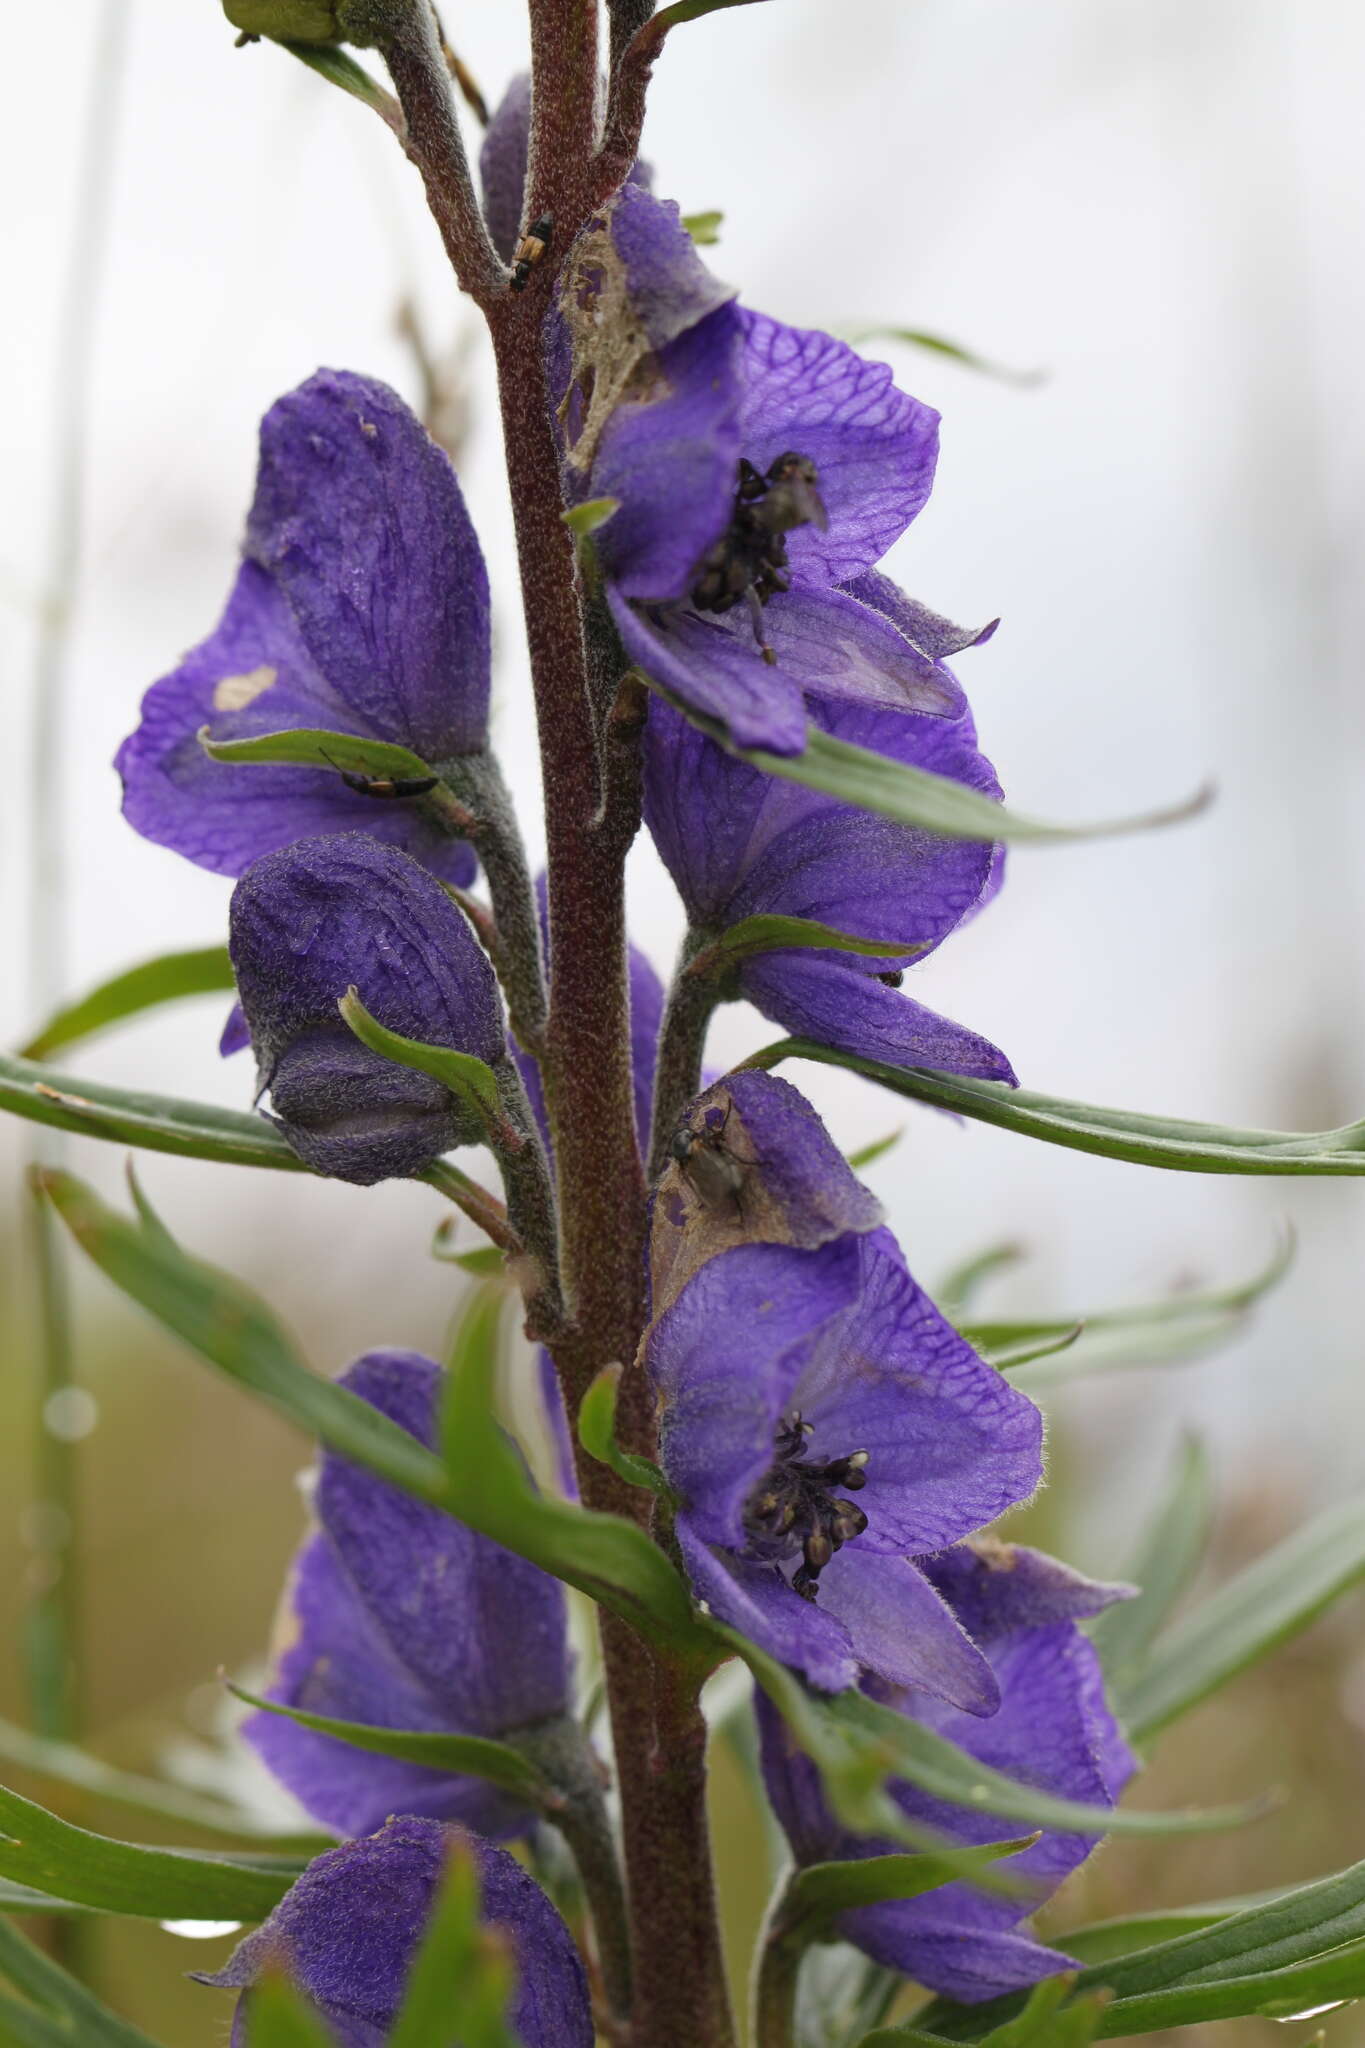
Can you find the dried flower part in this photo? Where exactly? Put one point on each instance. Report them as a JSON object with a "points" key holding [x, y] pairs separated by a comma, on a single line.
{"points": [[1051, 1728], [348, 1930], [325, 915], [398, 1616]]}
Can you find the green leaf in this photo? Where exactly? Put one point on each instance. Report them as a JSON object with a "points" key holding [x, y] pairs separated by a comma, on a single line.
{"points": [[583, 520], [234, 1329], [1162, 1566], [691, 10], [959, 1288], [485, 1261], [458, 1960], [597, 1434], [774, 934], [48, 1854], [63, 2013], [1103, 1940], [470, 1755], [1114, 1133], [914, 796], [67, 1765], [606, 1557], [939, 345], [340, 751], [1245, 1619], [867, 1154], [704, 228], [470, 1080], [816, 1895], [155, 1123], [1031, 1351], [341, 70], [857, 1744], [281, 2017], [1052, 2018], [1305, 1947], [165, 980]]}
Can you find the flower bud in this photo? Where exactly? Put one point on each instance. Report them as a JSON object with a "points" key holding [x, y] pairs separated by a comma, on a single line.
{"points": [[289, 21]]}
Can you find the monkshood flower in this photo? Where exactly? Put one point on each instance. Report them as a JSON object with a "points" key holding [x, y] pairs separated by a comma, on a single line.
{"points": [[399, 1616], [348, 1930], [739, 843], [1052, 1729], [758, 469], [325, 915], [822, 1426], [750, 1163], [361, 607]]}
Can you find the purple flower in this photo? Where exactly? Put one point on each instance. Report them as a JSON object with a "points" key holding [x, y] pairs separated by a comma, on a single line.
{"points": [[739, 843], [317, 918], [750, 1163], [759, 470], [401, 1617], [1052, 1729], [349, 1929], [823, 1426], [361, 606]]}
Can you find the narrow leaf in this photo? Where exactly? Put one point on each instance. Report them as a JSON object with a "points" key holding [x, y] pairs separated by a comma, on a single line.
{"points": [[1261, 1607], [866, 1155], [959, 1288], [1104, 1940], [1170, 1142], [48, 1854], [342, 70], [340, 751], [77, 2016], [597, 1434], [820, 1892], [458, 1961], [770, 933], [691, 10], [64, 1763], [154, 1123], [234, 1329], [1162, 1566], [611, 1560], [281, 2016], [472, 1081], [939, 345], [164, 980], [470, 1755], [583, 520]]}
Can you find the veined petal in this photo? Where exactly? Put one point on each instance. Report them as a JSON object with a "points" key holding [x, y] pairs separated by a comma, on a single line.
{"points": [[255, 675], [950, 1443], [901, 1629], [996, 1588], [359, 520], [874, 446], [757, 1602], [832, 1002], [708, 665]]}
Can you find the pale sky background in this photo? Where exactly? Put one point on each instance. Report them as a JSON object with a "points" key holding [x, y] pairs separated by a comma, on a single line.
{"points": [[1157, 202]]}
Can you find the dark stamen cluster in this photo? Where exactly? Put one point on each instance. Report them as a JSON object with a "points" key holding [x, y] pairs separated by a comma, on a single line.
{"points": [[795, 1507], [749, 561]]}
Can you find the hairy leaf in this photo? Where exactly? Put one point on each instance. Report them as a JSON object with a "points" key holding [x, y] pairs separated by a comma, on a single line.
{"points": [[1171, 1142]]}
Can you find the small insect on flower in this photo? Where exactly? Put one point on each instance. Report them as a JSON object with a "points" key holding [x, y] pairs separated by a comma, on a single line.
{"points": [[530, 249], [387, 787], [711, 1167]]}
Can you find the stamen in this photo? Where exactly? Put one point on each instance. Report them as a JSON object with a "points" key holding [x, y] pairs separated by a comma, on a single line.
{"points": [[749, 561], [796, 1510]]}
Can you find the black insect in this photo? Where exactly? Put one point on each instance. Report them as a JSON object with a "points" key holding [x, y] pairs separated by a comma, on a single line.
{"points": [[389, 788], [530, 249], [714, 1172], [749, 562]]}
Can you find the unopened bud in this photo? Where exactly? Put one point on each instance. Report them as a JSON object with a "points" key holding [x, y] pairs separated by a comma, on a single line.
{"points": [[285, 21]]}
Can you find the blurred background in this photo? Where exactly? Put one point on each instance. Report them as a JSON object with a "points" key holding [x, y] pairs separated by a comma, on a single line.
{"points": [[1157, 205]]}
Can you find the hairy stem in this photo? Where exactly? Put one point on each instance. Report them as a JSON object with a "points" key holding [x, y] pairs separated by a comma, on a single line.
{"points": [[682, 1042], [477, 780], [564, 1753], [411, 44]]}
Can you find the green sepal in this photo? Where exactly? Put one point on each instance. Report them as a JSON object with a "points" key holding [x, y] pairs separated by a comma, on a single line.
{"points": [[471, 1081], [1165, 1560], [234, 1330], [770, 933], [457, 1951], [914, 796], [597, 1434], [1171, 1142], [1272, 1599], [606, 1557], [50, 1855], [815, 1896], [281, 2017], [471, 1756], [1303, 1948], [704, 228], [203, 971]]}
